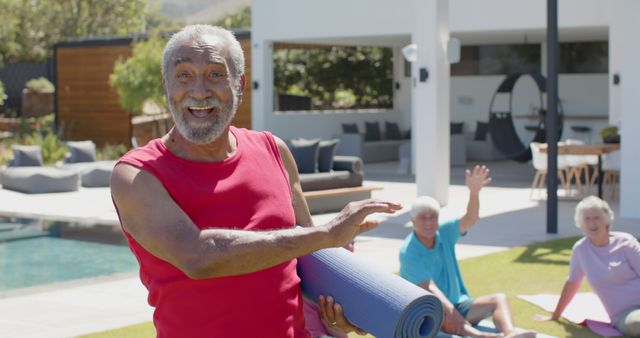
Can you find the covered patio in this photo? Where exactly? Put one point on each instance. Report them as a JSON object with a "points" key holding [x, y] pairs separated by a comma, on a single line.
{"points": [[422, 101]]}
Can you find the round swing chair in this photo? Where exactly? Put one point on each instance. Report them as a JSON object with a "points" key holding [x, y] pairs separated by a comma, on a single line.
{"points": [[501, 125]]}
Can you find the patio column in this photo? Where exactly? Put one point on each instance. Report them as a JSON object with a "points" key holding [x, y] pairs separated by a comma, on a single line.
{"points": [[623, 34], [262, 81], [430, 99]]}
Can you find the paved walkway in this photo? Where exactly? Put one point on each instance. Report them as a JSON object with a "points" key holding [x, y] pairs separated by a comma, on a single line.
{"points": [[508, 218]]}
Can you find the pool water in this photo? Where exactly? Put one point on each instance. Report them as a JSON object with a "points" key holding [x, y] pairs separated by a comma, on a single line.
{"points": [[65, 253]]}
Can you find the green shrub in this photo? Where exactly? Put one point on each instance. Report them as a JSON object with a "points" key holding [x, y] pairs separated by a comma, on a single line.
{"points": [[111, 152], [53, 148], [39, 85], [3, 95], [139, 78]]}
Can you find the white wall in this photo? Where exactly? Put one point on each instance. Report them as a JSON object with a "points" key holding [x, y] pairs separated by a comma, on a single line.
{"points": [[629, 54], [294, 19], [325, 124], [504, 15]]}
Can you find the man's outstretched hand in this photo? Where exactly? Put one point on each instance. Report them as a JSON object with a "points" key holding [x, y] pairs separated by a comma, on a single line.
{"points": [[351, 220], [477, 179]]}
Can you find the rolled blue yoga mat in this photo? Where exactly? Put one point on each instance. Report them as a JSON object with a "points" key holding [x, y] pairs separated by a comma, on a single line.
{"points": [[381, 303]]}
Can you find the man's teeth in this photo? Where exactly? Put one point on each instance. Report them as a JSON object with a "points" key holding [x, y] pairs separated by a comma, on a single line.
{"points": [[201, 108]]}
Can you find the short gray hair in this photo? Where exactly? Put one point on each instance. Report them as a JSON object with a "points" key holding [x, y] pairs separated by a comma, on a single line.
{"points": [[424, 203], [593, 202], [235, 57]]}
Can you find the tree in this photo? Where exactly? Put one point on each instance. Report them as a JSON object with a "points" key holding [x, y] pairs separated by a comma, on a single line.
{"points": [[139, 78], [239, 19], [28, 29], [331, 74]]}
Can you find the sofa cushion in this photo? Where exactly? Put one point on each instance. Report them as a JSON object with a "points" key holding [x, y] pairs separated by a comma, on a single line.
{"points": [[457, 128], [81, 151], [34, 180], [326, 151], [392, 131], [482, 129], [333, 180], [350, 128], [372, 131], [305, 152], [26, 156]]}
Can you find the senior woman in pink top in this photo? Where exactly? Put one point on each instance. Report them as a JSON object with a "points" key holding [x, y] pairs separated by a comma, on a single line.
{"points": [[611, 263]]}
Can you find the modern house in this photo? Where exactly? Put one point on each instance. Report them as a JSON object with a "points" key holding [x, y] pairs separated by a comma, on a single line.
{"points": [[599, 77]]}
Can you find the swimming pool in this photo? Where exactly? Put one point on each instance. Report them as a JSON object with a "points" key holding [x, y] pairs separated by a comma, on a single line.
{"points": [[49, 252]]}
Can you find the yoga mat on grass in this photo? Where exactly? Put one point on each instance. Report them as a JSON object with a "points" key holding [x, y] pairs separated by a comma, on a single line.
{"points": [[486, 326], [383, 304], [585, 309]]}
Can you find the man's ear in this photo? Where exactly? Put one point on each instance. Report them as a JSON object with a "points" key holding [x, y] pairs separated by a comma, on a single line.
{"points": [[243, 82]]}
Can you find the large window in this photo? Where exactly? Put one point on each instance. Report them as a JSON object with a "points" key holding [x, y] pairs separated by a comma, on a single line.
{"points": [[497, 59], [331, 77], [584, 57]]}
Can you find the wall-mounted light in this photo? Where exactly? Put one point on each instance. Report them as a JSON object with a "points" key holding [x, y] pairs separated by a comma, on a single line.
{"points": [[410, 52], [256, 85], [453, 50], [616, 79]]}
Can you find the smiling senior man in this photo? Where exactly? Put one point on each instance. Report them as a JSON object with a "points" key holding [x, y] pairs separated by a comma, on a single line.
{"points": [[209, 210]]}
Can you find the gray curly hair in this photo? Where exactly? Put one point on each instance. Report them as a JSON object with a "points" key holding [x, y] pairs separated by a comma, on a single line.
{"points": [[424, 203], [235, 57], [593, 202]]}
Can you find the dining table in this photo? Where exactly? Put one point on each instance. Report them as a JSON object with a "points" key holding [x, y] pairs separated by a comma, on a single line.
{"points": [[597, 149]]}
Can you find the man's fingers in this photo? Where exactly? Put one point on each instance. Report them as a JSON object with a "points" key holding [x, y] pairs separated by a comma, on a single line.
{"points": [[373, 206], [367, 225]]}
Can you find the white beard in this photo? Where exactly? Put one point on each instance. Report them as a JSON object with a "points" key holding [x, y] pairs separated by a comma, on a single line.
{"points": [[203, 132]]}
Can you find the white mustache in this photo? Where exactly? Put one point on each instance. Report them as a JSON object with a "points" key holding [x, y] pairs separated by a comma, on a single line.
{"points": [[191, 102]]}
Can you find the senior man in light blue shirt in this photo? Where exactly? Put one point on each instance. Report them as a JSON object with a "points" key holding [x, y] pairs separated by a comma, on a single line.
{"points": [[428, 259]]}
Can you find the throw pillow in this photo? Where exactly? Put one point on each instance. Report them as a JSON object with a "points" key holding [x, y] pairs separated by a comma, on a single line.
{"points": [[326, 151], [82, 151], [305, 152], [392, 131], [350, 128], [371, 131], [456, 127], [482, 129], [26, 156]]}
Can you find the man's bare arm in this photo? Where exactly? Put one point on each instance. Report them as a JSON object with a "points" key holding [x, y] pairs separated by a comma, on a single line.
{"points": [[148, 213]]}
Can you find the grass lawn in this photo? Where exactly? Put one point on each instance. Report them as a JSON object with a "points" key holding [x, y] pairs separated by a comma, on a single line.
{"points": [[538, 268]]}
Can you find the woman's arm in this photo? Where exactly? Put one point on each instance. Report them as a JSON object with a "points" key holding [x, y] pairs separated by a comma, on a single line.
{"points": [[568, 292]]}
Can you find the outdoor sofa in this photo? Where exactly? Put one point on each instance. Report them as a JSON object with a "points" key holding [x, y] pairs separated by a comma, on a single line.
{"points": [[81, 159], [373, 145], [26, 173], [328, 181]]}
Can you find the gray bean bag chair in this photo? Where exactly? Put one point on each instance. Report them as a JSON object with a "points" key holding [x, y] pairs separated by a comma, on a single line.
{"points": [[34, 180], [92, 174]]}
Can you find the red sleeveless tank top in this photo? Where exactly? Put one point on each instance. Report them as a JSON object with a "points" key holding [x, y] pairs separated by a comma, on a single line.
{"points": [[249, 191]]}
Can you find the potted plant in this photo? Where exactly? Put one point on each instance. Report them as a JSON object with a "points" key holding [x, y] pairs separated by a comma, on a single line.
{"points": [[37, 98], [610, 134]]}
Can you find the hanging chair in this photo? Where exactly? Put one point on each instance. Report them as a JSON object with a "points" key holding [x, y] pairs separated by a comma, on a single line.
{"points": [[501, 126]]}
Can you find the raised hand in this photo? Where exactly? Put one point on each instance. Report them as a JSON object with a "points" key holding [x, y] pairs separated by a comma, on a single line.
{"points": [[477, 179], [351, 220]]}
